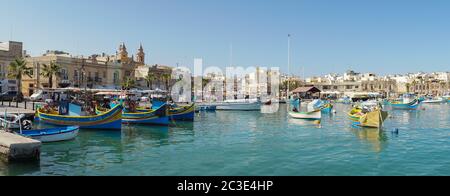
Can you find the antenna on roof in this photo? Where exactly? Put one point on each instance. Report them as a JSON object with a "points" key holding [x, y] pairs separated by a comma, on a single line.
{"points": [[11, 32]]}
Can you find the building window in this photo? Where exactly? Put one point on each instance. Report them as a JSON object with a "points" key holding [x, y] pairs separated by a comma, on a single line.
{"points": [[116, 77], [64, 74]]}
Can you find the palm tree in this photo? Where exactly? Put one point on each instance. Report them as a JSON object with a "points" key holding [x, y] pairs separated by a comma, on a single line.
{"points": [[150, 78], [205, 81], [16, 70], [48, 71], [128, 84]]}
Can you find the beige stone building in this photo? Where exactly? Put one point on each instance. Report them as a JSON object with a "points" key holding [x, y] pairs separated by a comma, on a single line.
{"points": [[95, 71], [158, 72], [8, 52]]}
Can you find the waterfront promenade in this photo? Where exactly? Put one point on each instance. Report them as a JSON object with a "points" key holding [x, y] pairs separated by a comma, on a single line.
{"points": [[21, 108]]}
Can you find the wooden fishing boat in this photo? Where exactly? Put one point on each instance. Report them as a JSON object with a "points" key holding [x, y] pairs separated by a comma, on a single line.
{"points": [[176, 113], [368, 118], [111, 119], [159, 116], [327, 108], [52, 134], [183, 113], [314, 115], [413, 105]]}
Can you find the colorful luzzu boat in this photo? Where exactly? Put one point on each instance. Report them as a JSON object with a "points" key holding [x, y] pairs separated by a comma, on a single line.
{"points": [[327, 108], [313, 115], [147, 116], [109, 120], [184, 113], [413, 105], [372, 119], [177, 113]]}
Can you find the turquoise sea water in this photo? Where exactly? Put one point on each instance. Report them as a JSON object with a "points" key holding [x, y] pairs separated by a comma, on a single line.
{"points": [[251, 143]]}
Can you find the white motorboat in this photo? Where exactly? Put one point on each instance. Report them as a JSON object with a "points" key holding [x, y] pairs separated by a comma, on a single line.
{"points": [[239, 105], [435, 101]]}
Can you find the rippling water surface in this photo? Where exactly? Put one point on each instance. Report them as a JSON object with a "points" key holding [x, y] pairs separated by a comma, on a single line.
{"points": [[251, 143]]}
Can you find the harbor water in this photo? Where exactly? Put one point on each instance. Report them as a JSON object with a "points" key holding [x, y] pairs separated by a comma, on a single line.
{"points": [[252, 143]]}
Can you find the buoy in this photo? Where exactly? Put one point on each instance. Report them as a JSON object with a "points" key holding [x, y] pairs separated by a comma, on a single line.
{"points": [[317, 122], [395, 131]]}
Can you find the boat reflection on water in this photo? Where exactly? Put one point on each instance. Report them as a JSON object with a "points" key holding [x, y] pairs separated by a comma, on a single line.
{"points": [[376, 137], [138, 133]]}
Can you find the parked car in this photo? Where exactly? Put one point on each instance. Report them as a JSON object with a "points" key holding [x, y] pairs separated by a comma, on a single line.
{"points": [[10, 96]]}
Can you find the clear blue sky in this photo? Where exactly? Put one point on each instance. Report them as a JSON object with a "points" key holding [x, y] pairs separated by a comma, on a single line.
{"points": [[382, 36]]}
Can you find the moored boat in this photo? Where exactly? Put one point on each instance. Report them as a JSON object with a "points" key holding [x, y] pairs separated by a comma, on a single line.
{"points": [[438, 100], [368, 117], [327, 108], [52, 134], [109, 120], [401, 105], [182, 113], [158, 116], [240, 105], [314, 115]]}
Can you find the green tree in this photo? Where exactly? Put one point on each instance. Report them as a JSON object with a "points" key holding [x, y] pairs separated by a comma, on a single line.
{"points": [[16, 70], [48, 71], [150, 78], [128, 84]]}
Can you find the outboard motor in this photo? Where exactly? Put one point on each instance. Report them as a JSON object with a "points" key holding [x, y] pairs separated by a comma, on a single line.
{"points": [[27, 125]]}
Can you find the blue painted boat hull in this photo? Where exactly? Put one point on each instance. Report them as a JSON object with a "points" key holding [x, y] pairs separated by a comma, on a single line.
{"points": [[111, 120], [183, 114], [52, 134], [154, 117], [163, 121], [327, 110], [406, 106]]}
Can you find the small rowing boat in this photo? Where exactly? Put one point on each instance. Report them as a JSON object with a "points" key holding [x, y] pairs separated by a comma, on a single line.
{"points": [[52, 134], [314, 115]]}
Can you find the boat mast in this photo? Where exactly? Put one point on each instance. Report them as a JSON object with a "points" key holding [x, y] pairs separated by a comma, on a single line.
{"points": [[289, 67]]}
